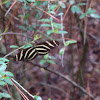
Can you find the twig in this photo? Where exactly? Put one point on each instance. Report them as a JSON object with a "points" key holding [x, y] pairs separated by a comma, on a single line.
{"points": [[10, 8], [52, 86], [67, 79], [7, 33], [22, 88], [21, 93]]}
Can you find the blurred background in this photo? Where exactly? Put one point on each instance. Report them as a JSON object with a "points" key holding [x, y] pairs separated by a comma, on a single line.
{"points": [[80, 61]]}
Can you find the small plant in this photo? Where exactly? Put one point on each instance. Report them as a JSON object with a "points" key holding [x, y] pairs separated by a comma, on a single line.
{"points": [[5, 76]]}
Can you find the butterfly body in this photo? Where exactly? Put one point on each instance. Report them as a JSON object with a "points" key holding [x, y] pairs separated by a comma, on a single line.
{"points": [[40, 49]]}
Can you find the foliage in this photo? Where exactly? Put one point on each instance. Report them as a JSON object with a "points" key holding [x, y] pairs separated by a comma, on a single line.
{"points": [[49, 25], [5, 76]]}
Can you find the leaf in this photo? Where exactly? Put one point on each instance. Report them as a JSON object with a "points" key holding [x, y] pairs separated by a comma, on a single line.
{"points": [[70, 42], [44, 20], [6, 95], [3, 67], [8, 81], [42, 61], [90, 11], [52, 12], [37, 3], [14, 46], [2, 63], [51, 61], [75, 9], [52, 7], [37, 98], [27, 46], [71, 2], [4, 59], [3, 83], [49, 32], [2, 73], [4, 1], [31, 0], [51, 57], [46, 25], [62, 4], [82, 15], [61, 51], [95, 15], [61, 32], [26, 16], [46, 56], [9, 74]]}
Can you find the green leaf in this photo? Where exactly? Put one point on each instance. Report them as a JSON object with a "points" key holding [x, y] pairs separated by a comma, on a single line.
{"points": [[37, 98], [2, 63], [8, 81], [90, 11], [4, 95], [31, 0], [37, 3], [95, 15], [3, 83], [71, 2], [26, 16], [46, 25], [52, 12], [62, 4], [14, 46], [70, 42], [3, 67], [9, 74], [75, 9], [2, 73], [4, 59], [61, 51], [44, 20], [52, 7], [51, 61], [27, 46], [51, 57], [49, 99], [42, 61], [61, 32], [82, 15], [4, 1], [49, 32], [46, 56]]}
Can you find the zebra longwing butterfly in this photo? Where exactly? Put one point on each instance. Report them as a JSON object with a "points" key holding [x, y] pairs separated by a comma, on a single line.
{"points": [[40, 49]]}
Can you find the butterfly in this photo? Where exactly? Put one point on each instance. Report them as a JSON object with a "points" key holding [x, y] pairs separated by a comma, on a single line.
{"points": [[40, 49]]}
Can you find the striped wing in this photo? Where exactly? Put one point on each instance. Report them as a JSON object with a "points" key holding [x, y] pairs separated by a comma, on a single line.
{"points": [[41, 49], [26, 54], [46, 47]]}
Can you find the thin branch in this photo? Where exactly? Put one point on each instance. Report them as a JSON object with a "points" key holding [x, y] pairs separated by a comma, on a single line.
{"points": [[14, 12], [7, 33], [46, 13], [67, 79], [52, 86], [10, 8], [21, 93], [22, 88]]}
